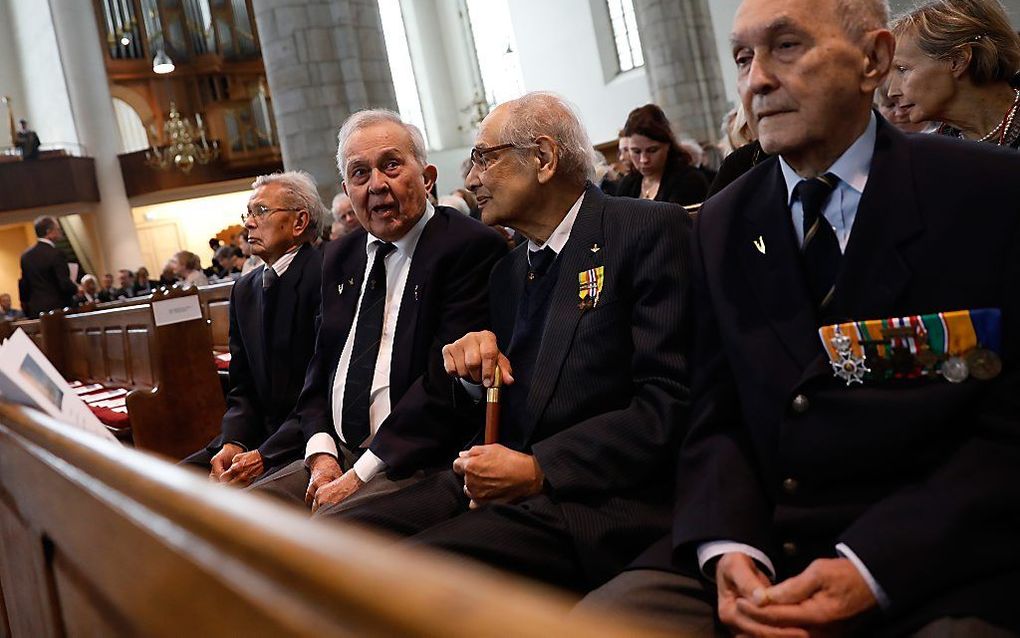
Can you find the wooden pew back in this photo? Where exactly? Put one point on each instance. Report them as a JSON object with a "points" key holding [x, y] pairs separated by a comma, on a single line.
{"points": [[215, 302], [97, 539]]}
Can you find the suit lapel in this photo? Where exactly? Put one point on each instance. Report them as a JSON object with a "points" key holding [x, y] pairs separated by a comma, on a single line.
{"points": [[564, 313], [770, 258], [340, 302], [415, 290], [286, 303], [874, 272]]}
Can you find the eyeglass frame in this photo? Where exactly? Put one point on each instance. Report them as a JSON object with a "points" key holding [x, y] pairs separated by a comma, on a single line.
{"points": [[478, 154], [265, 212]]}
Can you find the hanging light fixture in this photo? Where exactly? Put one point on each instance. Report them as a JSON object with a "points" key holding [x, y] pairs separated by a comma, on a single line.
{"points": [[162, 63], [181, 151]]}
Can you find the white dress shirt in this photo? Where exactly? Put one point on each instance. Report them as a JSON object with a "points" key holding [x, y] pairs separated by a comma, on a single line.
{"points": [[840, 211], [398, 265]]}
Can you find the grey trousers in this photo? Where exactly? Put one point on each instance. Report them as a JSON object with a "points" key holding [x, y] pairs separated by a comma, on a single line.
{"points": [[291, 482], [669, 601]]}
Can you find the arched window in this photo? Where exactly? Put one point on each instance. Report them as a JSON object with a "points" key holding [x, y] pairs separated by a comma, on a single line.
{"points": [[132, 132]]}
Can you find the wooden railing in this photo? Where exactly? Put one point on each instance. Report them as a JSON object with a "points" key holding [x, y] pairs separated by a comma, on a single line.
{"points": [[98, 539]]}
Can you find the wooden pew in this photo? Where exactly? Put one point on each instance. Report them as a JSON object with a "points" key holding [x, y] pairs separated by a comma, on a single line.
{"points": [[215, 302], [96, 539], [176, 401]]}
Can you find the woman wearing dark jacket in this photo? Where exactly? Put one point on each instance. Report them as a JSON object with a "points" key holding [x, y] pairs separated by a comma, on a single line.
{"points": [[664, 172]]}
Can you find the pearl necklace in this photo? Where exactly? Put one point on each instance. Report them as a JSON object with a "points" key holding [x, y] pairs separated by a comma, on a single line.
{"points": [[1006, 123]]}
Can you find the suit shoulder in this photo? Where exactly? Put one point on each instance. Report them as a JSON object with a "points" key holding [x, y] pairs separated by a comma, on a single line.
{"points": [[460, 225], [970, 162], [629, 216]]}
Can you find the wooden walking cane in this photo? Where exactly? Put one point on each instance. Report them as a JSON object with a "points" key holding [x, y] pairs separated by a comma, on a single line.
{"points": [[492, 408]]}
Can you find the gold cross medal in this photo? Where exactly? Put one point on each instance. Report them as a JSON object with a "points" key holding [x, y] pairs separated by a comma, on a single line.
{"points": [[589, 286]]}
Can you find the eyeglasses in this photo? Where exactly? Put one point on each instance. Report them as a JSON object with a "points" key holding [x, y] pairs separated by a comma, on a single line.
{"points": [[479, 155], [260, 212]]}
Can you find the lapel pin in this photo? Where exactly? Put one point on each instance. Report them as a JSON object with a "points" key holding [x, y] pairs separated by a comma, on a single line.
{"points": [[417, 291], [340, 289], [350, 282], [760, 244], [595, 248]]}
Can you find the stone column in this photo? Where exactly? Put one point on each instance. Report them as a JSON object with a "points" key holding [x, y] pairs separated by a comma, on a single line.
{"points": [[92, 106], [325, 59], [682, 64]]}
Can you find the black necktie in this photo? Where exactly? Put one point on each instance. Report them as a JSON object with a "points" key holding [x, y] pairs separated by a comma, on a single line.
{"points": [[821, 251], [269, 278], [367, 335], [539, 262]]}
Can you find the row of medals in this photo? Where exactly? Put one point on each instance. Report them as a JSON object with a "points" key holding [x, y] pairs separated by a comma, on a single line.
{"points": [[980, 363]]}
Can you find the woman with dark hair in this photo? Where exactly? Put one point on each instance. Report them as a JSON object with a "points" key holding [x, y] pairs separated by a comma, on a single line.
{"points": [[954, 63], [664, 172]]}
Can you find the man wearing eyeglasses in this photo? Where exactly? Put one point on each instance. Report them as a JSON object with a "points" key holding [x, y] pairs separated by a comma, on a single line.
{"points": [[376, 411], [273, 313], [587, 330]]}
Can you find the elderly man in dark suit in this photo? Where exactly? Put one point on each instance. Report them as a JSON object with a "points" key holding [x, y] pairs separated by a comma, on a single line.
{"points": [[273, 316], [587, 331], [45, 277], [853, 463], [376, 411]]}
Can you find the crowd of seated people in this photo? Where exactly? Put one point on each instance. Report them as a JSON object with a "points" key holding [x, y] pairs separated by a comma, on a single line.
{"points": [[793, 413]]}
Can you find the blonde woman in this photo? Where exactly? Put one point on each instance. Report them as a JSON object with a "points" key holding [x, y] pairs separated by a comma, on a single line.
{"points": [[954, 63]]}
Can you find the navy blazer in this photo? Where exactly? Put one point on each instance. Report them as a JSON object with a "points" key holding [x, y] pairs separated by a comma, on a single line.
{"points": [[265, 385], [444, 298], [920, 478], [608, 400]]}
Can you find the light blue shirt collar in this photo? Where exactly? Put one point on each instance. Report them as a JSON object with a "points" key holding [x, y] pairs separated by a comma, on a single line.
{"points": [[851, 168]]}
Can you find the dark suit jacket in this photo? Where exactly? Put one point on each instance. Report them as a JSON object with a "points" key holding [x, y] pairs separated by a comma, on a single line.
{"points": [[45, 280], [920, 478], [444, 298], [264, 386], [608, 400], [681, 184]]}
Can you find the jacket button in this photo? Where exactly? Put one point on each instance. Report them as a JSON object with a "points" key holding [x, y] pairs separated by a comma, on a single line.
{"points": [[800, 404], [790, 485], [790, 548]]}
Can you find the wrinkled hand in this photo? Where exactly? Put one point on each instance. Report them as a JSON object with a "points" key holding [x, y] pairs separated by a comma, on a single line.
{"points": [[244, 468], [738, 578], [825, 599], [475, 357], [323, 468], [222, 460], [337, 490], [497, 473]]}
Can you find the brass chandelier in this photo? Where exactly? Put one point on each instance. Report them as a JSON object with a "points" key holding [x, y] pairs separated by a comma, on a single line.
{"points": [[181, 151]]}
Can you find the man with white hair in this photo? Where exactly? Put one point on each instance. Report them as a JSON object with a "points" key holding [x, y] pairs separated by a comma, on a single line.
{"points": [[587, 331], [375, 413], [273, 313], [344, 219], [853, 460]]}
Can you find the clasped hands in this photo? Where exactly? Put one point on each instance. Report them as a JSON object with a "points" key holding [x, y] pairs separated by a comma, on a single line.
{"points": [[492, 473], [233, 466], [824, 600]]}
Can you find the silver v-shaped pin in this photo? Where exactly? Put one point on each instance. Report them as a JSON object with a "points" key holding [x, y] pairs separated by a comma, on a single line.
{"points": [[760, 244]]}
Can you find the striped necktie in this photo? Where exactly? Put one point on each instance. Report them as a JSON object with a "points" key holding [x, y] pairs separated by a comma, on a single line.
{"points": [[820, 250]]}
